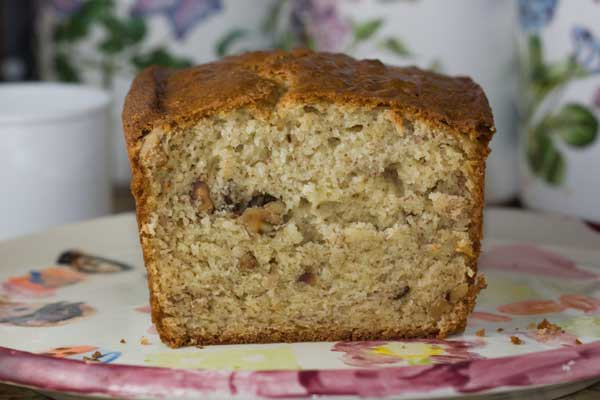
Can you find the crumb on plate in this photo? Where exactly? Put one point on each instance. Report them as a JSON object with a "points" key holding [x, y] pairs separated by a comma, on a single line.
{"points": [[515, 340], [94, 358], [547, 327]]}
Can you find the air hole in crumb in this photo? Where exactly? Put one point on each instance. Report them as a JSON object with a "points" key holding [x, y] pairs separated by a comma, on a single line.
{"points": [[401, 293], [288, 137], [304, 203], [309, 232], [408, 126], [212, 166], [259, 200], [333, 141], [390, 174], [329, 209], [237, 205], [310, 109], [272, 265], [356, 128], [239, 148], [454, 184]]}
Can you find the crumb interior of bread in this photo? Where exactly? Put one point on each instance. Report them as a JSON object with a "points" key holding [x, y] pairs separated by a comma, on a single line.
{"points": [[312, 219]]}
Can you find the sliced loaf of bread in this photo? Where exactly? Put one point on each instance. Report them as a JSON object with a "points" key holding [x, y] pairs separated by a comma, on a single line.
{"points": [[302, 196]]}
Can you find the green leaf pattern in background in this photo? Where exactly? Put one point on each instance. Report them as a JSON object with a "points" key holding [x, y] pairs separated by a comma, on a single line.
{"points": [[224, 44], [574, 124], [159, 56], [119, 44], [396, 46], [364, 30], [64, 69]]}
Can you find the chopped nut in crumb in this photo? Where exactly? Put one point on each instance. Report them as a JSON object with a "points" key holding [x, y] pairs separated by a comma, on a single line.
{"points": [[480, 332], [275, 211], [201, 195], [515, 340], [500, 330], [123, 341], [263, 219], [308, 278], [578, 342], [247, 261], [145, 341]]}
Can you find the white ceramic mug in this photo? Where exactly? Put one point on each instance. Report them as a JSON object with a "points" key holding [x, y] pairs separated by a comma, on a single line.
{"points": [[54, 158]]}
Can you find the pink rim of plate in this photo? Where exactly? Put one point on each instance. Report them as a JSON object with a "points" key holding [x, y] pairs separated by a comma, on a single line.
{"points": [[559, 366]]}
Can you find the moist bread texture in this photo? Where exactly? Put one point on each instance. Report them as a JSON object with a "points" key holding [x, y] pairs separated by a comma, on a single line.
{"points": [[302, 196]]}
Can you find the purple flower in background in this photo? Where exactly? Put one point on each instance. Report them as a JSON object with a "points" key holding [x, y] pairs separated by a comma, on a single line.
{"points": [[183, 15], [586, 49], [319, 22], [66, 7], [535, 14]]}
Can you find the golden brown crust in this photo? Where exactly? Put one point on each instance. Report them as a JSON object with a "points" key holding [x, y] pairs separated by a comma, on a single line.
{"points": [[329, 334], [161, 97]]}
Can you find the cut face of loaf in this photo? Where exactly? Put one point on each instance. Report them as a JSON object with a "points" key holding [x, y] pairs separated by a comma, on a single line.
{"points": [[312, 220]]}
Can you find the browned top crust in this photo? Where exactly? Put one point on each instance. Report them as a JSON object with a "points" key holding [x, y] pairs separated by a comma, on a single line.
{"points": [[161, 96]]}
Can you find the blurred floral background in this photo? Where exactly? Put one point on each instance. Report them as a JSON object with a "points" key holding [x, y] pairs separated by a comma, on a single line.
{"points": [[538, 60]]}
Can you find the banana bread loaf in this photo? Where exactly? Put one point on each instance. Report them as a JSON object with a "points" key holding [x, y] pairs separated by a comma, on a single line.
{"points": [[302, 196]]}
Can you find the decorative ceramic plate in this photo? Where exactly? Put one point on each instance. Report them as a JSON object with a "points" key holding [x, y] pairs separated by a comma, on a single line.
{"points": [[74, 318]]}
